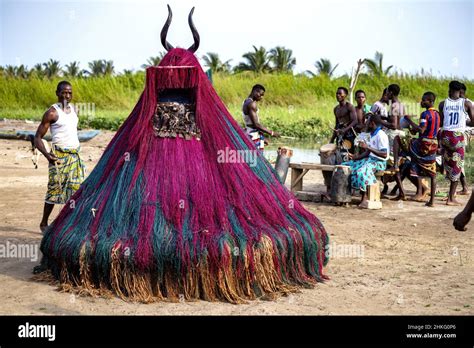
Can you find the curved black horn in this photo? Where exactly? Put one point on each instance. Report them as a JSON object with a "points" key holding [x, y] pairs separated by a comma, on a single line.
{"points": [[164, 31], [197, 40]]}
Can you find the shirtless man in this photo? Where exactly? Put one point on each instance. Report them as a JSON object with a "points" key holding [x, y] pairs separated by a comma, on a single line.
{"points": [[346, 119], [254, 129], [361, 109]]}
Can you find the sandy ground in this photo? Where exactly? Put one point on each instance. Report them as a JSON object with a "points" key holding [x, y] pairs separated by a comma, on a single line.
{"points": [[406, 258]]}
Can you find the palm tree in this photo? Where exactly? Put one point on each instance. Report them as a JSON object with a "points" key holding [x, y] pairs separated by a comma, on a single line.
{"points": [[22, 72], [38, 71], [127, 72], [73, 70], [109, 67], [375, 66], [256, 61], [213, 62], [96, 68], [282, 59], [9, 71], [52, 68], [324, 67], [154, 61]]}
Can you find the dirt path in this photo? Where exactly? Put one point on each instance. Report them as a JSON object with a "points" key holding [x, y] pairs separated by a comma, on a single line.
{"points": [[405, 258]]}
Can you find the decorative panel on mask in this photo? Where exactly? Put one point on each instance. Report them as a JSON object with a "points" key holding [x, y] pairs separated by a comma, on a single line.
{"points": [[174, 119]]}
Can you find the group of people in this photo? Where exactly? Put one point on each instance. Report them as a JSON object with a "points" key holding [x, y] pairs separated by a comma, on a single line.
{"points": [[380, 138], [375, 139]]}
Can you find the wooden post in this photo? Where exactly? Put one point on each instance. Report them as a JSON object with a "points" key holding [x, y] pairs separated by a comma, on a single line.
{"points": [[283, 162], [373, 193], [354, 77], [296, 179]]}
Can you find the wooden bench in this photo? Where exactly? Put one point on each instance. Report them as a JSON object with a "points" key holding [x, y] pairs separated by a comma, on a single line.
{"points": [[299, 170]]}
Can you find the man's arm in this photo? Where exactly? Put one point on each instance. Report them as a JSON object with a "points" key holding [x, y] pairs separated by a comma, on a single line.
{"points": [[441, 114], [362, 155], [392, 124], [359, 156], [417, 128], [334, 132], [252, 108], [470, 111], [49, 117], [376, 152], [379, 153], [463, 218]]}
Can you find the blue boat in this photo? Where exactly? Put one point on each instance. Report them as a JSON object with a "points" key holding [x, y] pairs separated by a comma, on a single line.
{"points": [[29, 135]]}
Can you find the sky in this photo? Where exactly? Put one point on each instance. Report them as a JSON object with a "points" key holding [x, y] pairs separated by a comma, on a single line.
{"points": [[437, 36]]}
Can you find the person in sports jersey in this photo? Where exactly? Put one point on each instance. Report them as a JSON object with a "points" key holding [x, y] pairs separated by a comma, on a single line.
{"points": [[423, 150], [453, 111], [254, 129], [465, 189], [66, 169]]}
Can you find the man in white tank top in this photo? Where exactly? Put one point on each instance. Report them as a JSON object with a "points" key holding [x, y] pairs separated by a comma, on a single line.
{"points": [[66, 169], [453, 113]]}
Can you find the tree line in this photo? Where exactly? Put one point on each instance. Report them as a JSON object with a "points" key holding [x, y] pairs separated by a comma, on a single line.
{"points": [[260, 60]]}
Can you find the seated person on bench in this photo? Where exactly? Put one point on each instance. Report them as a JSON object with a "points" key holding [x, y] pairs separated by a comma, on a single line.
{"points": [[374, 158]]}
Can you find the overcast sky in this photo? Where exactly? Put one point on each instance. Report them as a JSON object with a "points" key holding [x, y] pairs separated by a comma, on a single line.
{"points": [[411, 34]]}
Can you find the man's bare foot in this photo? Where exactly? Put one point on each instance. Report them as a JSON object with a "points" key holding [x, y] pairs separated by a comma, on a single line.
{"points": [[430, 204], [363, 204], [453, 202], [463, 193], [399, 198], [418, 198]]}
